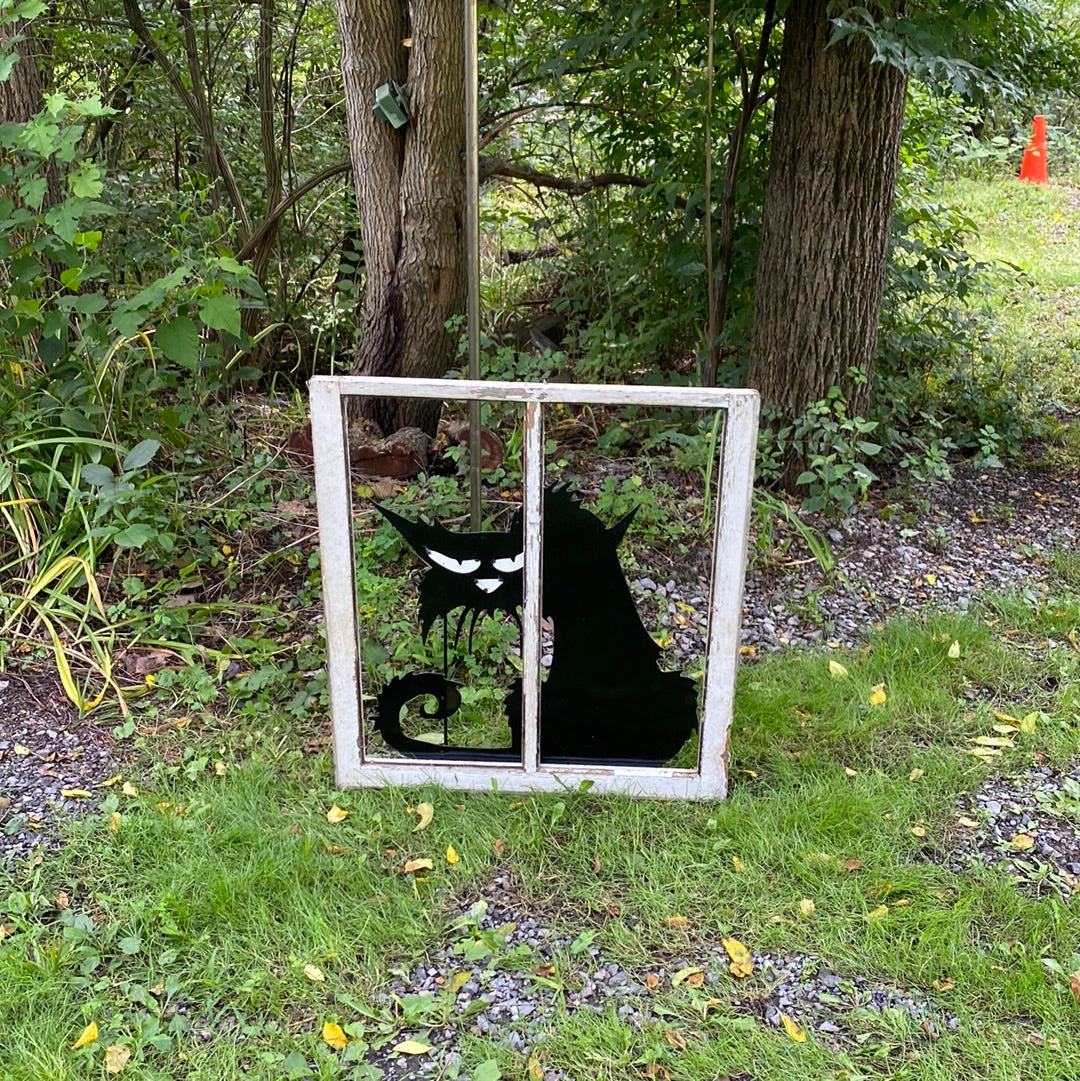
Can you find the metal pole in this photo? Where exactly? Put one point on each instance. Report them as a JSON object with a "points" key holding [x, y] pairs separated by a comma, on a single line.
{"points": [[472, 247]]}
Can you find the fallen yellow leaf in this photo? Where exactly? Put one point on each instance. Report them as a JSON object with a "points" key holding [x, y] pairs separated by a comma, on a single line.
{"points": [[998, 715], [878, 913], [954, 651], [75, 793], [336, 814], [919, 831], [837, 670], [807, 907], [114, 822], [849, 772], [451, 855], [792, 1029], [915, 774], [412, 866], [1027, 723], [116, 778], [684, 974], [87, 1036], [116, 1057], [314, 973], [129, 789], [742, 964], [1022, 842], [334, 1035], [738, 864], [970, 823], [677, 921], [878, 697], [411, 1047], [993, 741], [459, 981], [220, 769], [426, 813], [20, 750]]}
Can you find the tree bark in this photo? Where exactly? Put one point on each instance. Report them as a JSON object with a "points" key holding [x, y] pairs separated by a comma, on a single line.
{"points": [[828, 205], [21, 94], [410, 191]]}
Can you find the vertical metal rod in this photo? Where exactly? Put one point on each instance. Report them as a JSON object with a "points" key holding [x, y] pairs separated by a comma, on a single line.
{"points": [[532, 497], [472, 247]]}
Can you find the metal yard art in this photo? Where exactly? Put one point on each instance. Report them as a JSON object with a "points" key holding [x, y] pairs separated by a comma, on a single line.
{"points": [[602, 708]]}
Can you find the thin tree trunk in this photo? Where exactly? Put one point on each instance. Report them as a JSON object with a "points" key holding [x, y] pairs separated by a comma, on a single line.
{"points": [[830, 186]]}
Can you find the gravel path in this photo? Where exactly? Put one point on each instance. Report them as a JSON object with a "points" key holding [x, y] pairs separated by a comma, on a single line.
{"points": [[45, 752], [504, 974]]}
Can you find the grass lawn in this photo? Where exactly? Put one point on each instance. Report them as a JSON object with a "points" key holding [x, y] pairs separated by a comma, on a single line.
{"points": [[184, 915], [1036, 229]]}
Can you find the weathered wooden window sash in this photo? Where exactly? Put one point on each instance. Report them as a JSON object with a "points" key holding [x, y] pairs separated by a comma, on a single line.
{"points": [[356, 768]]}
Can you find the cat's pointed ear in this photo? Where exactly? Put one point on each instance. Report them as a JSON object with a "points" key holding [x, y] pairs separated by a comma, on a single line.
{"points": [[618, 530]]}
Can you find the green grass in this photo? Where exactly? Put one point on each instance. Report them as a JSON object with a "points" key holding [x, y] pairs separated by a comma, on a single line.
{"points": [[187, 928], [1036, 229]]}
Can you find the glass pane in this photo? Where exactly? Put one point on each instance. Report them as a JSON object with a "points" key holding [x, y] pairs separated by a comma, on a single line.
{"points": [[439, 602], [629, 512]]}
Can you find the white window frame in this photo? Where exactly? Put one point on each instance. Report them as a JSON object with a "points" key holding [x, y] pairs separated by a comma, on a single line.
{"points": [[354, 768]]}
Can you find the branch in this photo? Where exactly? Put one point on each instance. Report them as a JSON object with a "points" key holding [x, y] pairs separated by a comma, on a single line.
{"points": [[273, 216], [493, 166]]}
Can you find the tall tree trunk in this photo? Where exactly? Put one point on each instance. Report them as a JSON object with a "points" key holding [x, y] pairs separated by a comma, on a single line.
{"points": [[21, 96], [410, 191], [828, 205]]}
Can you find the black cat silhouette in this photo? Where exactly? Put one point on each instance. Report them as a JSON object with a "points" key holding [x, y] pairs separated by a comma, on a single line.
{"points": [[604, 697]]}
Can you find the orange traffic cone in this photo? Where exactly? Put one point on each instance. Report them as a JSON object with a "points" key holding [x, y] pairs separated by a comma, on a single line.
{"points": [[1033, 167]]}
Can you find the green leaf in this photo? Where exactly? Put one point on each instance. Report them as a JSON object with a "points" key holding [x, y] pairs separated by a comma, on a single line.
{"points": [[129, 945], [178, 339], [85, 181], [221, 311], [90, 304], [96, 474], [135, 536], [487, 1071], [140, 455], [7, 64]]}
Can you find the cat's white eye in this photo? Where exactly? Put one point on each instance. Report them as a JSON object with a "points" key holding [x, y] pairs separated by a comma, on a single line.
{"points": [[508, 566], [457, 566], [488, 585]]}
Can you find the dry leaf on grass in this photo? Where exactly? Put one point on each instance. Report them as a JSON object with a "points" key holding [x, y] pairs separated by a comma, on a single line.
{"points": [[426, 813], [878, 697], [116, 1057], [684, 974], [451, 855], [412, 1047], [336, 814], [792, 1029], [1074, 984], [742, 964], [87, 1036], [314, 974], [334, 1035], [681, 922], [411, 866]]}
